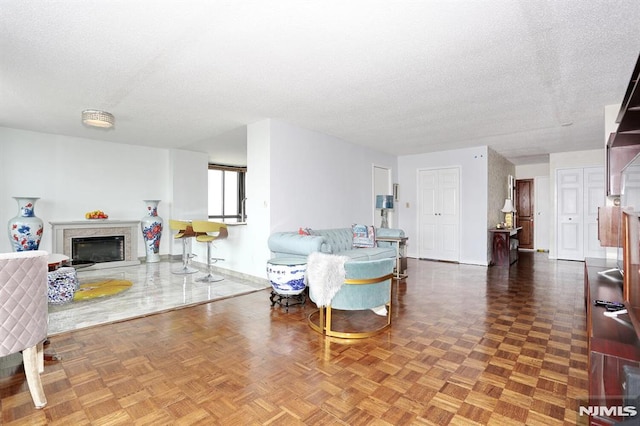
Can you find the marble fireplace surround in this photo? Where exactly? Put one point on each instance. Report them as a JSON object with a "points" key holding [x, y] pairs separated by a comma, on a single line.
{"points": [[63, 232]]}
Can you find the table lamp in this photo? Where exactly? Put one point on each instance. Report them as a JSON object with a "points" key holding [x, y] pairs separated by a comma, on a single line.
{"points": [[508, 210], [384, 203]]}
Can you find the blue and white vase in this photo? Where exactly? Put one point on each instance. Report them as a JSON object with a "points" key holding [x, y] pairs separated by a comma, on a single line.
{"points": [[25, 230], [151, 225], [286, 278]]}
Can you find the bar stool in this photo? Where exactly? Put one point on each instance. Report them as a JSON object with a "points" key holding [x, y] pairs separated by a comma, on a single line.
{"points": [[204, 228], [184, 232]]}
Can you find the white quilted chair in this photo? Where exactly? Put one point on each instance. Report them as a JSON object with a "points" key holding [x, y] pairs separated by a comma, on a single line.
{"points": [[23, 313]]}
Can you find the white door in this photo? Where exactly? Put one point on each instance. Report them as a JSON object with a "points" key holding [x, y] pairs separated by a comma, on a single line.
{"points": [[594, 194], [428, 220], [542, 217], [439, 214], [570, 205], [580, 192]]}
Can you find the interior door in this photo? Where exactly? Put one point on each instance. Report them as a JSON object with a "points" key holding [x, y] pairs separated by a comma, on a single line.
{"points": [[570, 205], [525, 212], [580, 193], [428, 217], [449, 180], [439, 214], [594, 194]]}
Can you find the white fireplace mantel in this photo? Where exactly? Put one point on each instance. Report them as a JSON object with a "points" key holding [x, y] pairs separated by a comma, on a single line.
{"points": [[63, 232]]}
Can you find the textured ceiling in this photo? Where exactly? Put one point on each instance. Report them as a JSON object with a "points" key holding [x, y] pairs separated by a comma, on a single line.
{"points": [[527, 78]]}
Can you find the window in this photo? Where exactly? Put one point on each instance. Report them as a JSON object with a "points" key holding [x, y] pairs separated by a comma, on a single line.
{"points": [[227, 193]]}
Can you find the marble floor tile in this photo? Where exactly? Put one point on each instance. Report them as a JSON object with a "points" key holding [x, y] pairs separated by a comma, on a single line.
{"points": [[155, 288]]}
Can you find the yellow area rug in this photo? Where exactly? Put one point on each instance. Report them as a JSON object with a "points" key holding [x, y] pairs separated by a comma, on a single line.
{"points": [[101, 289]]}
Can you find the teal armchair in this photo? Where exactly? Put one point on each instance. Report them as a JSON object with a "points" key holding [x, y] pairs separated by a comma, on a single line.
{"points": [[367, 287]]}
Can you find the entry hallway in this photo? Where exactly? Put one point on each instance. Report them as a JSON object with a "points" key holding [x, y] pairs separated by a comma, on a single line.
{"points": [[468, 345]]}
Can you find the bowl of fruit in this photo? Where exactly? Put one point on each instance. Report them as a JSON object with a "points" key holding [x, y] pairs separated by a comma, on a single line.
{"points": [[96, 215]]}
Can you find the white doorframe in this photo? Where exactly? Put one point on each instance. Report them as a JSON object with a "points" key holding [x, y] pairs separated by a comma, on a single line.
{"points": [[542, 220]]}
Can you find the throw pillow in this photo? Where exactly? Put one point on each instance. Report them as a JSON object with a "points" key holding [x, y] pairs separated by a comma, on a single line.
{"points": [[304, 231], [363, 236]]}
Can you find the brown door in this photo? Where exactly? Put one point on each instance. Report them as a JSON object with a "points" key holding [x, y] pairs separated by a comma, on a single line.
{"points": [[524, 212]]}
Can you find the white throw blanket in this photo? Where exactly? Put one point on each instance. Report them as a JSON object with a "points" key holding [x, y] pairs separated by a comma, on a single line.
{"points": [[325, 276]]}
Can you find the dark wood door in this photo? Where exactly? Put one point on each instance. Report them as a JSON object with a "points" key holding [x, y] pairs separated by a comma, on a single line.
{"points": [[525, 212]]}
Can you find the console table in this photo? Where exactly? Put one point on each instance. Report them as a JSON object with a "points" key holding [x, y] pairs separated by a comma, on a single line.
{"points": [[401, 257], [504, 246]]}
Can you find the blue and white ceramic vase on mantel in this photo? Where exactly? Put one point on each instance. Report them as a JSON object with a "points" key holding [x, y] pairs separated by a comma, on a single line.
{"points": [[151, 225], [25, 230]]}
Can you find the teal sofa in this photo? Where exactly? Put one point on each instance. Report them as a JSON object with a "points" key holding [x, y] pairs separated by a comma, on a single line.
{"points": [[337, 241]]}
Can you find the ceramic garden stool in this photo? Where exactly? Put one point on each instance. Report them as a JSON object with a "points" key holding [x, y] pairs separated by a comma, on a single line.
{"points": [[62, 285], [286, 275]]}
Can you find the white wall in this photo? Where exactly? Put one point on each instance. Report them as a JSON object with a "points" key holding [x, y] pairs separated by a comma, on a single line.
{"points": [[298, 178], [75, 175], [610, 125], [252, 252], [245, 250], [295, 178], [188, 196], [529, 171], [188, 182], [473, 198], [499, 170], [72, 176], [319, 181]]}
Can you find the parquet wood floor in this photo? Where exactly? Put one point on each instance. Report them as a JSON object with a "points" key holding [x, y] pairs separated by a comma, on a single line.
{"points": [[469, 345]]}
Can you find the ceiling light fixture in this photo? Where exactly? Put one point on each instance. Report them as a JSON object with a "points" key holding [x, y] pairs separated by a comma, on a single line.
{"points": [[96, 118]]}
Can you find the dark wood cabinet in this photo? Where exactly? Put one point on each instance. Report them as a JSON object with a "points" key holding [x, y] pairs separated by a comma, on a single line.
{"points": [[608, 226], [614, 343], [629, 115], [624, 144], [611, 343], [504, 246]]}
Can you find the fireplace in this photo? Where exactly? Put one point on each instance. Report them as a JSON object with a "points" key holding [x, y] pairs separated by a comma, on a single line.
{"points": [[108, 243], [98, 249]]}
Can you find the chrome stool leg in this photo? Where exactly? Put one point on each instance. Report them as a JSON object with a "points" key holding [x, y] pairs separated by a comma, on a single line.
{"points": [[210, 277], [186, 269]]}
